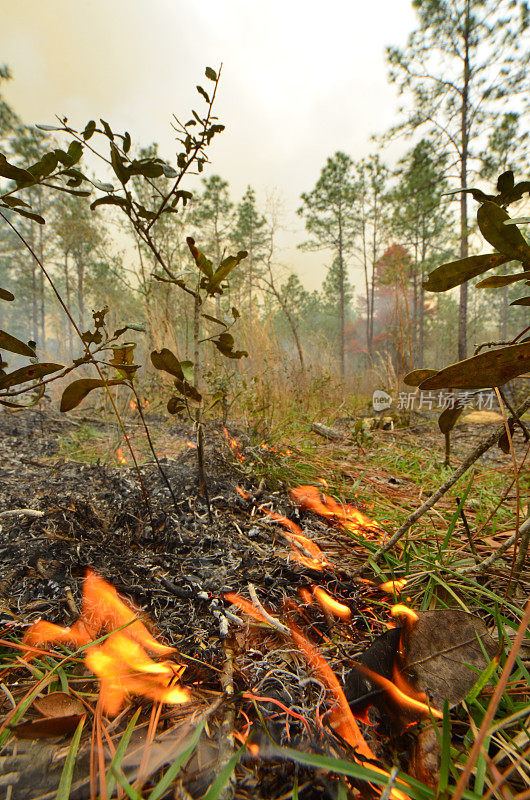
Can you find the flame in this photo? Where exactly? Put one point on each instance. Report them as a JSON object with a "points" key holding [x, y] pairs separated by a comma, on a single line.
{"points": [[400, 610], [341, 716], [119, 454], [242, 492], [132, 404], [305, 551], [329, 603], [245, 606], [191, 445], [307, 597], [411, 707], [284, 453], [234, 444], [312, 499], [121, 661], [393, 587]]}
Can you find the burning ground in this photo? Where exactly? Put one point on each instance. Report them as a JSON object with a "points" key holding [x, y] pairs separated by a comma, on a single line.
{"points": [[253, 619]]}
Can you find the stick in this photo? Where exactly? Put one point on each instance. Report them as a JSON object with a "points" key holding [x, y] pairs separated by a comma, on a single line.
{"points": [[444, 488], [26, 512]]}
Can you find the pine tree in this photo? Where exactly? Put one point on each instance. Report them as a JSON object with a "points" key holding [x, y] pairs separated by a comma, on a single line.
{"points": [[250, 234], [459, 66], [328, 214]]}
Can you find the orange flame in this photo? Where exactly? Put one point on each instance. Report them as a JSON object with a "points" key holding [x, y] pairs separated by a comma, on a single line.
{"points": [[191, 445], [132, 404], [121, 661], [393, 587], [312, 499], [305, 551], [242, 492], [119, 454], [413, 709], [341, 716], [404, 611], [329, 603], [245, 606], [234, 444]]}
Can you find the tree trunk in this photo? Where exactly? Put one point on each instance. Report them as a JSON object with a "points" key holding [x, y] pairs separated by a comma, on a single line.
{"points": [[68, 302], [464, 248], [342, 340]]}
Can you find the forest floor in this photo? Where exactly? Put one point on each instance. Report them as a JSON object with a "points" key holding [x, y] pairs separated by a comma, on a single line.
{"points": [[203, 578]]}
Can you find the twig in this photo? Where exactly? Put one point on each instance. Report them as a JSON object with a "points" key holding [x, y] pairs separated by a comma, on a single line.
{"points": [[226, 730], [271, 620], [26, 512], [494, 702], [443, 489], [526, 432], [523, 530], [468, 532]]}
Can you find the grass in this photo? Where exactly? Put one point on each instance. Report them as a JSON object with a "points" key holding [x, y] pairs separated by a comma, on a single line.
{"points": [[430, 556]]}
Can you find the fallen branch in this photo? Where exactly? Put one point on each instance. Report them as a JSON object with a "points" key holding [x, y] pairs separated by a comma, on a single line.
{"points": [[479, 451], [328, 433], [524, 533]]}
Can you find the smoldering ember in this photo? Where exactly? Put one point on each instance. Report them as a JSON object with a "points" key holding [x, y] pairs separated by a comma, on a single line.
{"points": [[264, 486]]}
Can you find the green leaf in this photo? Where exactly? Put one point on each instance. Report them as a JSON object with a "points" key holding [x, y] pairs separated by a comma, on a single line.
{"points": [[149, 169], [175, 405], [8, 342], [110, 200], [65, 783], [203, 93], [448, 418], [214, 319], [168, 171], [516, 220], [225, 344], [415, 377], [187, 390], [508, 239], [30, 373], [225, 268], [216, 788], [210, 74], [521, 301], [107, 129], [30, 215], [447, 276], [492, 368], [187, 369], [14, 201], [167, 361], [505, 182], [204, 264], [90, 128], [180, 760], [45, 166], [6, 295], [77, 391], [119, 755], [495, 281], [75, 151], [118, 165], [13, 173]]}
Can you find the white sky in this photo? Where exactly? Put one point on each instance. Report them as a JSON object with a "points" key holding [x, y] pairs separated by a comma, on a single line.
{"points": [[300, 80]]}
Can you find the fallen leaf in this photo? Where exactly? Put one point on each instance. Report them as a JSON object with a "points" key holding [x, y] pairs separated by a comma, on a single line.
{"points": [[58, 704]]}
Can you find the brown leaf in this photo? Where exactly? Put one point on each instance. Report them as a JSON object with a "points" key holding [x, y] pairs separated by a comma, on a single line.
{"points": [[439, 647], [58, 704], [47, 727], [492, 368], [76, 391]]}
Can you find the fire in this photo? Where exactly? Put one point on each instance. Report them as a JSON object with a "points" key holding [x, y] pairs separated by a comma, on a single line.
{"points": [[234, 444], [191, 445], [132, 404], [121, 661], [328, 603], [305, 551], [242, 492], [393, 587], [267, 447], [408, 706], [312, 499], [119, 455], [404, 611], [341, 716]]}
